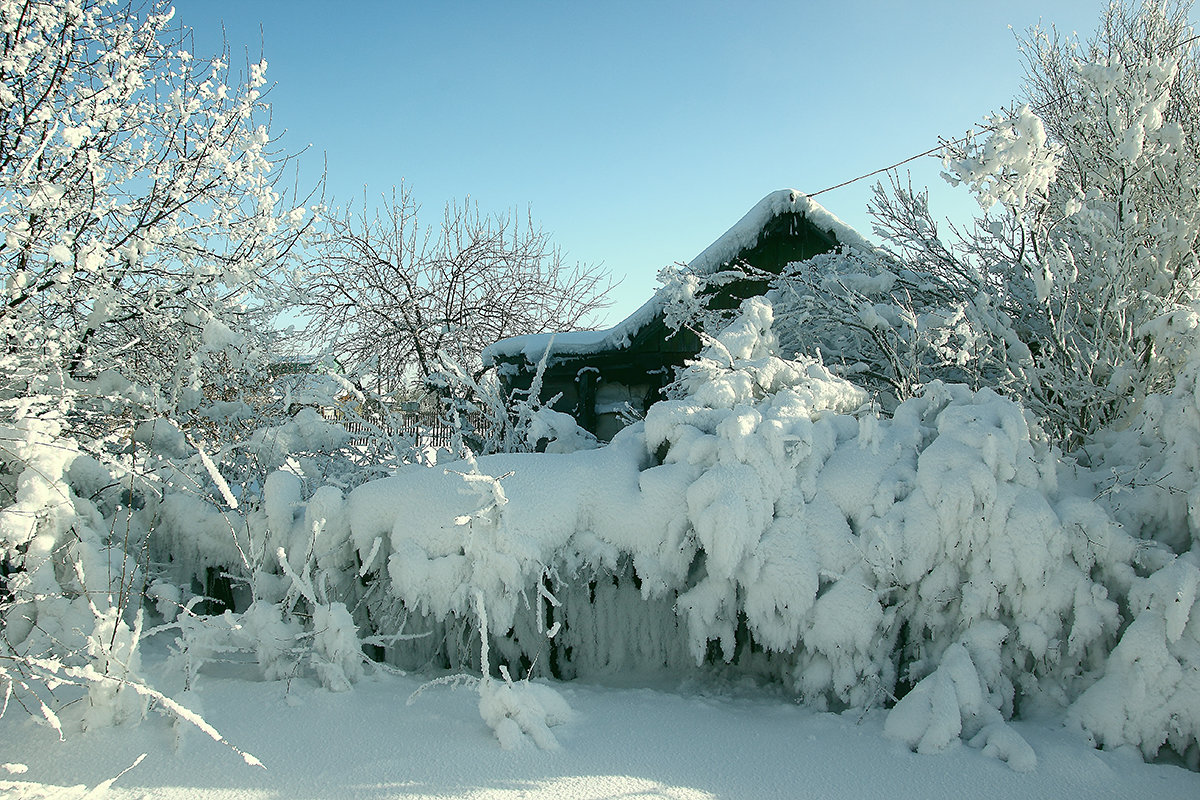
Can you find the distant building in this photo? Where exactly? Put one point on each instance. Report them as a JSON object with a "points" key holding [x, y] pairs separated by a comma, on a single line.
{"points": [[601, 374]]}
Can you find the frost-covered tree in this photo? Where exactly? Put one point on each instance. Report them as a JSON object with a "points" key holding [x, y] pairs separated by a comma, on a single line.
{"points": [[1101, 190], [138, 191], [387, 293], [1090, 191], [142, 225]]}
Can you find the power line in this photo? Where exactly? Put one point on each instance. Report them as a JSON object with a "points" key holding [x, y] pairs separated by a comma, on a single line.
{"points": [[942, 145], [878, 171], [1040, 109]]}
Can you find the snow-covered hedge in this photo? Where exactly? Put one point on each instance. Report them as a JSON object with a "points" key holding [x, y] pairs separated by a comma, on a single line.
{"points": [[769, 519]]}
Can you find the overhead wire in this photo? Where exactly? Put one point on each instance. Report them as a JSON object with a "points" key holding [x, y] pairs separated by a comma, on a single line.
{"points": [[942, 145]]}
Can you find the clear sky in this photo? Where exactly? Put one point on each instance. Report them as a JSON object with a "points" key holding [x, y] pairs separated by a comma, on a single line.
{"points": [[637, 132]]}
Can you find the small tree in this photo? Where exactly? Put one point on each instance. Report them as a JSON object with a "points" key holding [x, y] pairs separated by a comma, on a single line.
{"points": [[1061, 293], [142, 226], [387, 294], [1100, 190]]}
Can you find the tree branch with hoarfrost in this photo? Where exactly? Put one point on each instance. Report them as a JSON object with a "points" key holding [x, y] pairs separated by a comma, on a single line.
{"points": [[1098, 210], [143, 226], [387, 293], [1055, 295]]}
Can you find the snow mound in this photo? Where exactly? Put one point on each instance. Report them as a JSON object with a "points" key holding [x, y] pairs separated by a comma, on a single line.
{"points": [[522, 711]]}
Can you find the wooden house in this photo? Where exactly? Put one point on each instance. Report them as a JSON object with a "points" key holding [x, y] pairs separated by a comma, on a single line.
{"points": [[603, 376]]}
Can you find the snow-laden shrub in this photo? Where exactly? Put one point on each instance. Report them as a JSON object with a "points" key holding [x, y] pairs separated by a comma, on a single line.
{"points": [[113, 652], [985, 550], [951, 704], [1147, 474], [302, 575], [750, 434], [177, 512], [519, 422], [1147, 470], [520, 710], [1149, 695], [69, 589], [766, 517]]}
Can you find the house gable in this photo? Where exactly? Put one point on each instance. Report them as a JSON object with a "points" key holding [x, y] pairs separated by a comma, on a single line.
{"points": [[597, 373]]}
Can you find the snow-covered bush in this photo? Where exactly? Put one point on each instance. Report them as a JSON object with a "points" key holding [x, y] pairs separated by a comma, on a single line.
{"points": [[141, 231], [1147, 471], [892, 326], [1076, 295], [487, 420], [1146, 474], [769, 519], [952, 704], [1149, 694]]}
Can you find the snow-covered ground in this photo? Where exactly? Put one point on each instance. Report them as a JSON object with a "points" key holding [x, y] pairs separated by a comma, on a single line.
{"points": [[977, 525], [683, 742], [955, 495]]}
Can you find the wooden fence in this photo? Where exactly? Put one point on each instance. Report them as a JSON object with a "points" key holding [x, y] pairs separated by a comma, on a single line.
{"points": [[423, 428]]}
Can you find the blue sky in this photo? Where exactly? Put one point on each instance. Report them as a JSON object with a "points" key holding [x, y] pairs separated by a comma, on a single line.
{"points": [[636, 132]]}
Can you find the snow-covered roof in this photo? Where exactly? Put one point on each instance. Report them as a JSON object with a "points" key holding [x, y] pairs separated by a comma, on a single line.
{"points": [[534, 345], [743, 235]]}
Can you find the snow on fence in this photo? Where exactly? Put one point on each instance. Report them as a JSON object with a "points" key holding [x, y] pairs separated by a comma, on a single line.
{"points": [[425, 427]]}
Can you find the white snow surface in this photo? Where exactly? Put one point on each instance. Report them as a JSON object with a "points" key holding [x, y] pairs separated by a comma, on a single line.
{"points": [[682, 742], [742, 235], [765, 492]]}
